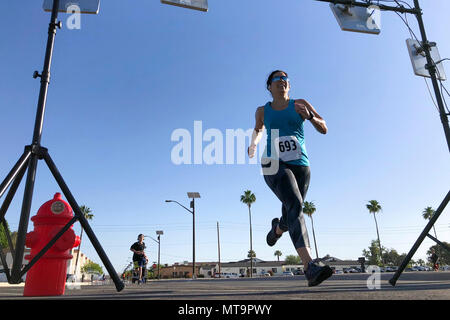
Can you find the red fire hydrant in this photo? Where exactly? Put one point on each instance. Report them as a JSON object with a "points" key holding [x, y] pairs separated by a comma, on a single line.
{"points": [[48, 276]]}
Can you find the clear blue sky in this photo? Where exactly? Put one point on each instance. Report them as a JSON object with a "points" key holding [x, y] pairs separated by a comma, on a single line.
{"points": [[140, 70]]}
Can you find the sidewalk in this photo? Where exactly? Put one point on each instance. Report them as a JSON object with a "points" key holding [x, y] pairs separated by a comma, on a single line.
{"points": [[6, 284]]}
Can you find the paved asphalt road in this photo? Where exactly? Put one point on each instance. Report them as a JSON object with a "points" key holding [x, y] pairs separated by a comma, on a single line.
{"points": [[410, 286]]}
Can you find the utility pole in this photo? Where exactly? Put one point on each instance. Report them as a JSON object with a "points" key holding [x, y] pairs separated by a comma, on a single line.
{"points": [[218, 246]]}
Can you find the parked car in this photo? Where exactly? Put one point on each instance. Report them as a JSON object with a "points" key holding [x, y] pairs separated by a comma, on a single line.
{"points": [[351, 270], [372, 269], [288, 274], [226, 275], [70, 278], [421, 268], [219, 275], [231, 275], [338, 272], [298, 272], [266, 274], [3, 276]]}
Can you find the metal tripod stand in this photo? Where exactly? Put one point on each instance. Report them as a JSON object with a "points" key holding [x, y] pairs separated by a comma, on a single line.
{"points": [[28, 162], [432, 68]]}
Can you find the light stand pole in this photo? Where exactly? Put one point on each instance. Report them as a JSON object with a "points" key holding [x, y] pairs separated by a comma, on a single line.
{"points": [[159, 233], [218, 249], [159, 256], [444, 119], [28, 161], [432, 68], [193, 196]]}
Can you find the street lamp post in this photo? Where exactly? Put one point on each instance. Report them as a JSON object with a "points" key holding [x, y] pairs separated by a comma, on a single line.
{"points": [[193, 196], [159, 233], [193, 238]]}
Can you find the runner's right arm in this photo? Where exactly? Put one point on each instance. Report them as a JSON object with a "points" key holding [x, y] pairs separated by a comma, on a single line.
{"points": [[257, 132]]}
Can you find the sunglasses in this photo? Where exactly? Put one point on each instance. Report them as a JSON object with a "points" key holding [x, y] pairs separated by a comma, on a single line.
{"points": [[284, 78]]}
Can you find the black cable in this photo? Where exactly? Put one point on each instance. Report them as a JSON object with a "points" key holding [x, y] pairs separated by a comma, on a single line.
{"points": [[443, 98], [444, 88], [397, 1], [431, 95]]}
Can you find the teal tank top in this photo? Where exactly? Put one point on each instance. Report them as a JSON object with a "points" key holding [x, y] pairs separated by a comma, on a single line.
{"points": [[289, 144]]}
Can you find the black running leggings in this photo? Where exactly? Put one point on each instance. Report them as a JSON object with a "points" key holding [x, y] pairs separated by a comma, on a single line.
{"points": [[290, 185]]}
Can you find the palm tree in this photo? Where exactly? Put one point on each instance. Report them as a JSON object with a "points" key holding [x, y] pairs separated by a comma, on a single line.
{"points": [[14, 238], [278, 254], [427, 214], [87, 214], [248, 198], [374, 207], [309, 209]]}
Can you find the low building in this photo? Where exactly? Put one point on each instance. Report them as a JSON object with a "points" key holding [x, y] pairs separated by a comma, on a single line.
{"points": [[82, 261], [260, 267], [341, 265], [184, 270], [242, 268]]}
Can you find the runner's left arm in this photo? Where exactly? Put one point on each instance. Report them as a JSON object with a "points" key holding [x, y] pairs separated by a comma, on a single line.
{"points": [[305, 109]]}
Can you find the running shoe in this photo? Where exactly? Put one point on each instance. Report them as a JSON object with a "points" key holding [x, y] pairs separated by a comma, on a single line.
{"points": [[272, 236], [317, 272]]}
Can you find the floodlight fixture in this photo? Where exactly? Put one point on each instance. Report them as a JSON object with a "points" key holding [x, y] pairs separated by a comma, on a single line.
{"points": [[419, 59], [201, 5], [357, 19], [85, 6], [159, 232]]}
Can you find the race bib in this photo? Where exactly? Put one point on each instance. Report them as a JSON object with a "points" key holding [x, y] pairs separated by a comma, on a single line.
{"points": [[288, 148]]}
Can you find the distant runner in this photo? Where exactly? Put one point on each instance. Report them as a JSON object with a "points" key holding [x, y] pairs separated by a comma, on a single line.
{"points": [[139, 258], [434, 260], [290, 182]]}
